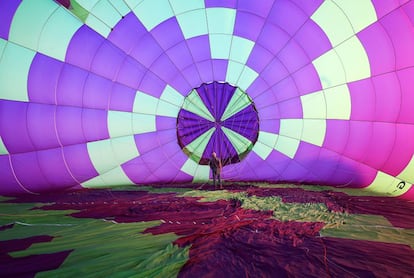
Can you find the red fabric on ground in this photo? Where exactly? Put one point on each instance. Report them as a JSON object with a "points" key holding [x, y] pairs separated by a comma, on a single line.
{"points": [[227, 240], [30, 265]]}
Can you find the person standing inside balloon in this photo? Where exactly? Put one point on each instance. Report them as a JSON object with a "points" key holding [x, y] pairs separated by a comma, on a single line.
{"points": [[216, 167]]}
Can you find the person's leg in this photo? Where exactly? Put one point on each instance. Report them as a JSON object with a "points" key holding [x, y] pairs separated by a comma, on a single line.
{"points": [[219, 180], [214, 178]]}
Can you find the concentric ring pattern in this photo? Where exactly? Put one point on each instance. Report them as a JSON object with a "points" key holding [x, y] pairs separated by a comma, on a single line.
{"points": [[220, 118], [90, 92]]}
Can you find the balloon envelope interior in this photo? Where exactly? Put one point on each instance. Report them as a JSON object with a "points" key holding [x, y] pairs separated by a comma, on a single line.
{"points": [[101, 93]]}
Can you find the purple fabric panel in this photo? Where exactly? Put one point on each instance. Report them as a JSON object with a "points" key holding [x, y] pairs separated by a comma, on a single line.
{"points": [[108, 60], [326, 166], [13, 126], [400, 30], [270, 112], [260, 8], [71, 85], [78, 161], [359, 139], [221, 4], [291, 109], [259, 58], [164, 137], [220, 69], [28, 171], [69, 125], [192, 76], [402, 151], [407, 97], [43, 75], [83, 47], [216, 97], [272, 126], [384, 7], [8, 183], [146, 142], [97, 91], [152, 85], [295, 172], [352, 173], [379, 48], [320, 162], [308, 7], [131, 73], [165, 123], [164, 68], [290, 23], [41, 126], [146, 51], [7, 10], [171, 172], [274, 72], [94, 124], [180, 55], [286, 89], [181, 85], [122, 98], [168, 33], [190, 126], [313, 39], [205, 69], [363, 97], [53, 166], [136, 169], [388, 97], [259, 169], [258, 86], [273, 38], [246, 169], [245, 122], [248, 25], [381, 144], [220, 144], [127, 32], [306, 80], [336, 137], [293, 56], [199, 48], [265, 99], [409, 11]]}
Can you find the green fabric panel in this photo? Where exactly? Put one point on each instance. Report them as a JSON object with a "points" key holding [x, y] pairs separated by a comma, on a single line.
{"points": [[196, 148], [238, 102], [195, 104]]}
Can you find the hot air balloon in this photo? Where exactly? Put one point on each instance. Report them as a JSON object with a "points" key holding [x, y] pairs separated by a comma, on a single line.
{"points": [[101, 93]]}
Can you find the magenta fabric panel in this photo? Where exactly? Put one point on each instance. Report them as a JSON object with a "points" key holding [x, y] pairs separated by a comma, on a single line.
{"points": [[406, 83], [337, 136], [363, 98], [403, 150]]}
